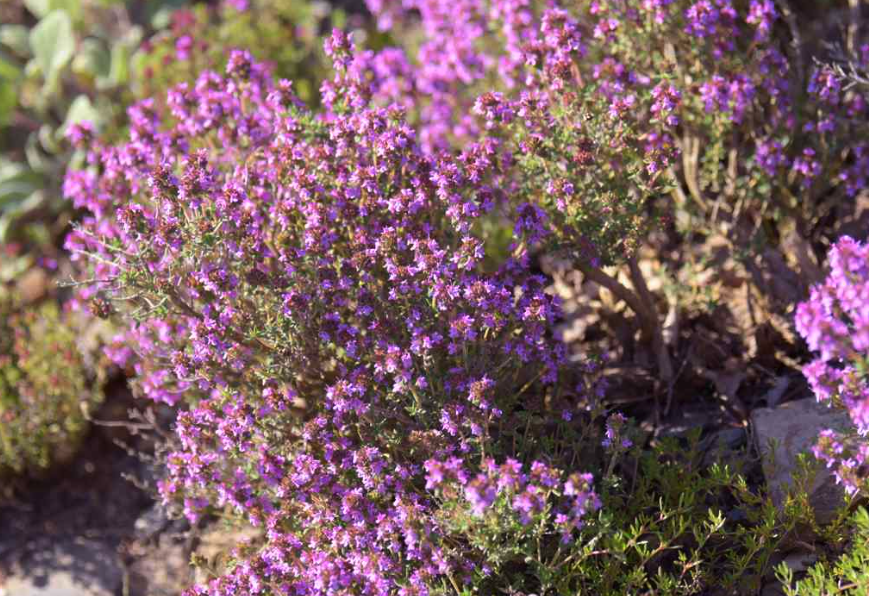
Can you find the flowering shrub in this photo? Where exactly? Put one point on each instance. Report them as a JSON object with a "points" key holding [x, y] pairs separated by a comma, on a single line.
{"points": [[44, 388], [620, 115], [611, 104], [356, 371], [835, 323], [314, 287], [81, 61]]}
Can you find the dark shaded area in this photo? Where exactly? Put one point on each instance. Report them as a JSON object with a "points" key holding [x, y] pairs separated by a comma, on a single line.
{"points": [[77, 519]]}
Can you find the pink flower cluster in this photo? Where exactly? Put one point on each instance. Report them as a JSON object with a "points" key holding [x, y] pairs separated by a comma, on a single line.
{"points": [[313, 286], [541, 493], [835, 323], [317, 293], [612, 87]]}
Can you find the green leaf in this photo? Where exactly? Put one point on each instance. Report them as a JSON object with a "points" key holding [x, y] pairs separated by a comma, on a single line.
{"points": [[9, 75], [92, 59], [53, 43], [8, 100], [47, 138], [16, 210], [138, 63], [120, 66], [35, 158], [8, 69], [41, 8], [16, 183], [14, 37]]}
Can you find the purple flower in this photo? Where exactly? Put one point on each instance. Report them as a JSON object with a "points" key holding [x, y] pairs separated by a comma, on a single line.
{"points": [[762, 14], [835, 322], [615, 437]]}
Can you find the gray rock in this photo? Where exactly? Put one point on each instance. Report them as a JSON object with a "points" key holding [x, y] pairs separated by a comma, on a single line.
{"points": [[800, 561], [72, 568], [163, 570], [151, 522], [793, 428], [723, 446], [772, 588]]}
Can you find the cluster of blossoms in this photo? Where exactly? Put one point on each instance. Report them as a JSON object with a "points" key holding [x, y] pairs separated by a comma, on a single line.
{"points": [[540, 495], [313, 287], [316, 289], [615, 102], [835, 323], [615, 437], [450, 63]]}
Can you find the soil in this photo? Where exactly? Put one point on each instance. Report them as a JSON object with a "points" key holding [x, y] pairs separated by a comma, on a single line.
{"points": [[94, 501]]}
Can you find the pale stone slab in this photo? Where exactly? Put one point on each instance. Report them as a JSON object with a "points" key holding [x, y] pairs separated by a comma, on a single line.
{"points": [[794, 428], [73, 568]]}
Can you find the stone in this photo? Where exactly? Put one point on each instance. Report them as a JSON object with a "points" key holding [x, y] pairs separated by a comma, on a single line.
{"points": [[162, 570], [151, 522], [800, 561], [723, 446], [74, 568], [772, 588], [793, 428]]}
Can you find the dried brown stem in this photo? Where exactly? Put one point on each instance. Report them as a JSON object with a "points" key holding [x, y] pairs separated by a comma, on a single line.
{"points": [[639, 300], [659, 346], [621, 292]]}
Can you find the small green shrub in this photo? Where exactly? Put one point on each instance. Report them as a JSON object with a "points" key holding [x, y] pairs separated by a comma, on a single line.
{"points": [[45, 388], [666, 526], [846, 575], [284, 34]]}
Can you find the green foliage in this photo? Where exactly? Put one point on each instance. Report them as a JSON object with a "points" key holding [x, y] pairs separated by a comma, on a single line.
{"points": [[284, 34], [16, 183], [9, 75], [42, 8], [53, 43], [16, 38], [670, 532], [45, 388], [667, 526], [846, 575], [51, 75]]}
